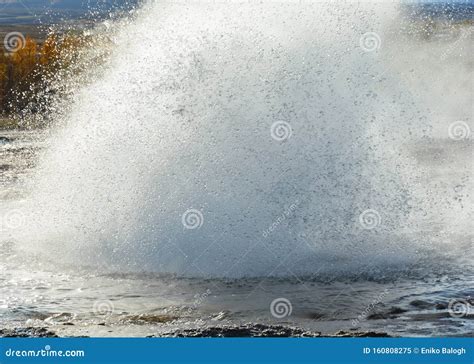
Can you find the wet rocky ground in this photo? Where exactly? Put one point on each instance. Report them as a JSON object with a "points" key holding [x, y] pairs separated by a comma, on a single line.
{"points": [[244, 330], [61, 301]]}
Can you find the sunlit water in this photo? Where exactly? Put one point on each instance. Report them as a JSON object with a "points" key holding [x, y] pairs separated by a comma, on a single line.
{"points": [[94, 235]]}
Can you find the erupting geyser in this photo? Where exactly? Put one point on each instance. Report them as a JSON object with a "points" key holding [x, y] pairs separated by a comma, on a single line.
{"points": [[276, 126]]}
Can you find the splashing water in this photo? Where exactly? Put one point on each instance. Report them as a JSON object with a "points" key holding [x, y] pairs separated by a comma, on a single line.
{"points": [[236, 140]]}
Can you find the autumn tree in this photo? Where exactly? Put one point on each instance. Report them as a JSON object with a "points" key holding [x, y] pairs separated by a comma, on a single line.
{"points": [[33, 75]]}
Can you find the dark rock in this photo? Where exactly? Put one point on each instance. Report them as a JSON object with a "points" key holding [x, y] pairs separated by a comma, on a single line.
{"points": [[5, 140], [245, 330], [315, 316], [27, 332], [377, 316], [397, 311], [390, 314], [361, 334], [421, 304], [261, 330]]}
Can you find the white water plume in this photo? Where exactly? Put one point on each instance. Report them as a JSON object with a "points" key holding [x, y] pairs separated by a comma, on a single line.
{"points": [[181, 120]]}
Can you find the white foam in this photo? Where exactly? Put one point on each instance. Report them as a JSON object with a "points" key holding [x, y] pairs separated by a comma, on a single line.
{"points": [[181, 119]]}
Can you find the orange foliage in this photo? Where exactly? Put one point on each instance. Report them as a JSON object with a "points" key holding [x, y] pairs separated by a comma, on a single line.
{"points": [[24, 60], [26, 71]]}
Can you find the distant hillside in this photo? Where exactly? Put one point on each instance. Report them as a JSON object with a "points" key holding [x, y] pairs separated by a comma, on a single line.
{"points": [[444, 10], [30, 12], [52, 11]]}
